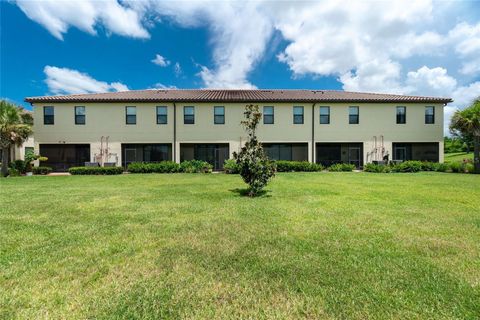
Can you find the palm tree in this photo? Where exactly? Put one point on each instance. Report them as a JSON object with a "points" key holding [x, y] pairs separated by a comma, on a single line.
{"points": [[13, 131], [467, 122]]}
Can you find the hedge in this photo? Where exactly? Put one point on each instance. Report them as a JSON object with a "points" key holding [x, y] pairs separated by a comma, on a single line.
{"points": [[41, 170], [196, 166], [341, 167], [160, 167], [298, 166], [95, 170], [230, 166], [417, 166]]}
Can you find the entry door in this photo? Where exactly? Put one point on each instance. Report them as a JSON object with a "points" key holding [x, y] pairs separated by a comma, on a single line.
{"points": [[130, 156], [221, 154], [354, 156], [400, 153]]}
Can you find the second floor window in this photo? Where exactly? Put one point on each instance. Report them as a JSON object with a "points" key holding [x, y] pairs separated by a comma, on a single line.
{"points": [[131, 115], [48, 115], [401, 115], [268, 115], [324, 115], [189, 115], [353, 115], [429, 115], [219, 115], [298, 115], [162, 115], [79, 115]]}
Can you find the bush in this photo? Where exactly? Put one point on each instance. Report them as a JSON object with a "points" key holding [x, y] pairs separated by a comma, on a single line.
{"points": [[41, 170], [230, 166], [195, 166], [341, 167], [440, 167], [408, 166], [297, 166], [12, 172], [469, 167], [376, 168], [457, 167], [18, 165], [95, 170], [160, 167]]}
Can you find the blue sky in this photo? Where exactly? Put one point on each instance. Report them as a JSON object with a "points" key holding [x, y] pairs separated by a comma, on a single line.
{"points": [[63, 47]]}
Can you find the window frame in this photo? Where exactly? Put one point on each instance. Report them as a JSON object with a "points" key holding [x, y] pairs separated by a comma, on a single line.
{"points": [[269, 115], [324, 115], [221, 116], [399, 117], [302, 115], [185, 115], [45, 115], [350, 115], [127, 122], [161, 116], [79, 116], [430, 116]]}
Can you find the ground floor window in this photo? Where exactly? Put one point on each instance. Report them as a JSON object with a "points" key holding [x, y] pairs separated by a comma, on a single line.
{"points": [[213, 153], [428, 151], [286, 151], [331, 153], [152, 152], [63, 156]]}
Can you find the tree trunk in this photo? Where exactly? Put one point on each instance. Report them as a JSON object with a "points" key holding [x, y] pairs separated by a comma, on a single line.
{"points": [[5, 158], [476, 153]]}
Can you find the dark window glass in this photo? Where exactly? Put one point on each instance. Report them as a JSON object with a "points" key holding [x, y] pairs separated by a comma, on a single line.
{"points": [[268, 115], [353, 115], [298, 115], [324, 115], [401, 115], [79, 115], [189, 115], [131, 115], [162, 115], [48, 115], [219, 115], [429, 115]]}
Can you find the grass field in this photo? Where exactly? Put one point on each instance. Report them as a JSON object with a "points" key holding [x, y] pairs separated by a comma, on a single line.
{"points": [[458, 156], [317, 246]]}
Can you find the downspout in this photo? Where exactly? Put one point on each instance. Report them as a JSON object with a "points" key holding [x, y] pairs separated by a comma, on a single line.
{"points": [[174, 132], [313, 133]]}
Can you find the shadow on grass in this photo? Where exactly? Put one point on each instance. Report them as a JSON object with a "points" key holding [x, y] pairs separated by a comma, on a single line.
{"points": [[244, 193]]}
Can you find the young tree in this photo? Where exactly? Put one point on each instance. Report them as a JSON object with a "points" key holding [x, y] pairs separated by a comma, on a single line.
{"points": [[255, 167], [467, 122], [13, 131]]}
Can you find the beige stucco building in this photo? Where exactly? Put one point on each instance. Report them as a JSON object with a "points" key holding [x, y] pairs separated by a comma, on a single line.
{"points": [[155, 125]]}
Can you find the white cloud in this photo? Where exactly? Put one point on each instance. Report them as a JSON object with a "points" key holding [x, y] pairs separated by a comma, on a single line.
{"points": [[160, 85], [86, 15], [430, 82], [177, 69], [68, 81], [466, 40], [160, 61]]}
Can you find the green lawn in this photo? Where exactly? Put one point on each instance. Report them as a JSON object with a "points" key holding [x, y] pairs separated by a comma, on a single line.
{"points": [[317, 246], [458, 156]]}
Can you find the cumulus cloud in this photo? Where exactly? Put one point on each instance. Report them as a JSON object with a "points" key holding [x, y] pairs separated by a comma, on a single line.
{"points": [[86, 15], [68, 81], [160, 61]]}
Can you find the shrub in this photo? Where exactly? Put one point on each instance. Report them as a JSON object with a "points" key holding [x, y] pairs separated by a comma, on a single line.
{"points": [[18, 165], [408, 166], [230, 166], [298, 166], [95, 170], [41, 170], [196, 166], [469, 167], [428, 166], [377, 168], [12, 172], [159, 167], [341, 167], [457, 167], [440, 167]]}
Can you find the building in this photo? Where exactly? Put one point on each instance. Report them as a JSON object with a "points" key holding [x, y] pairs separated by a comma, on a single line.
{"points": [[305, 125]]}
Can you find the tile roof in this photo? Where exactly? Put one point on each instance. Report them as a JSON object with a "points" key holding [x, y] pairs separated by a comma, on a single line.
{"points": [[230, 95]]}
